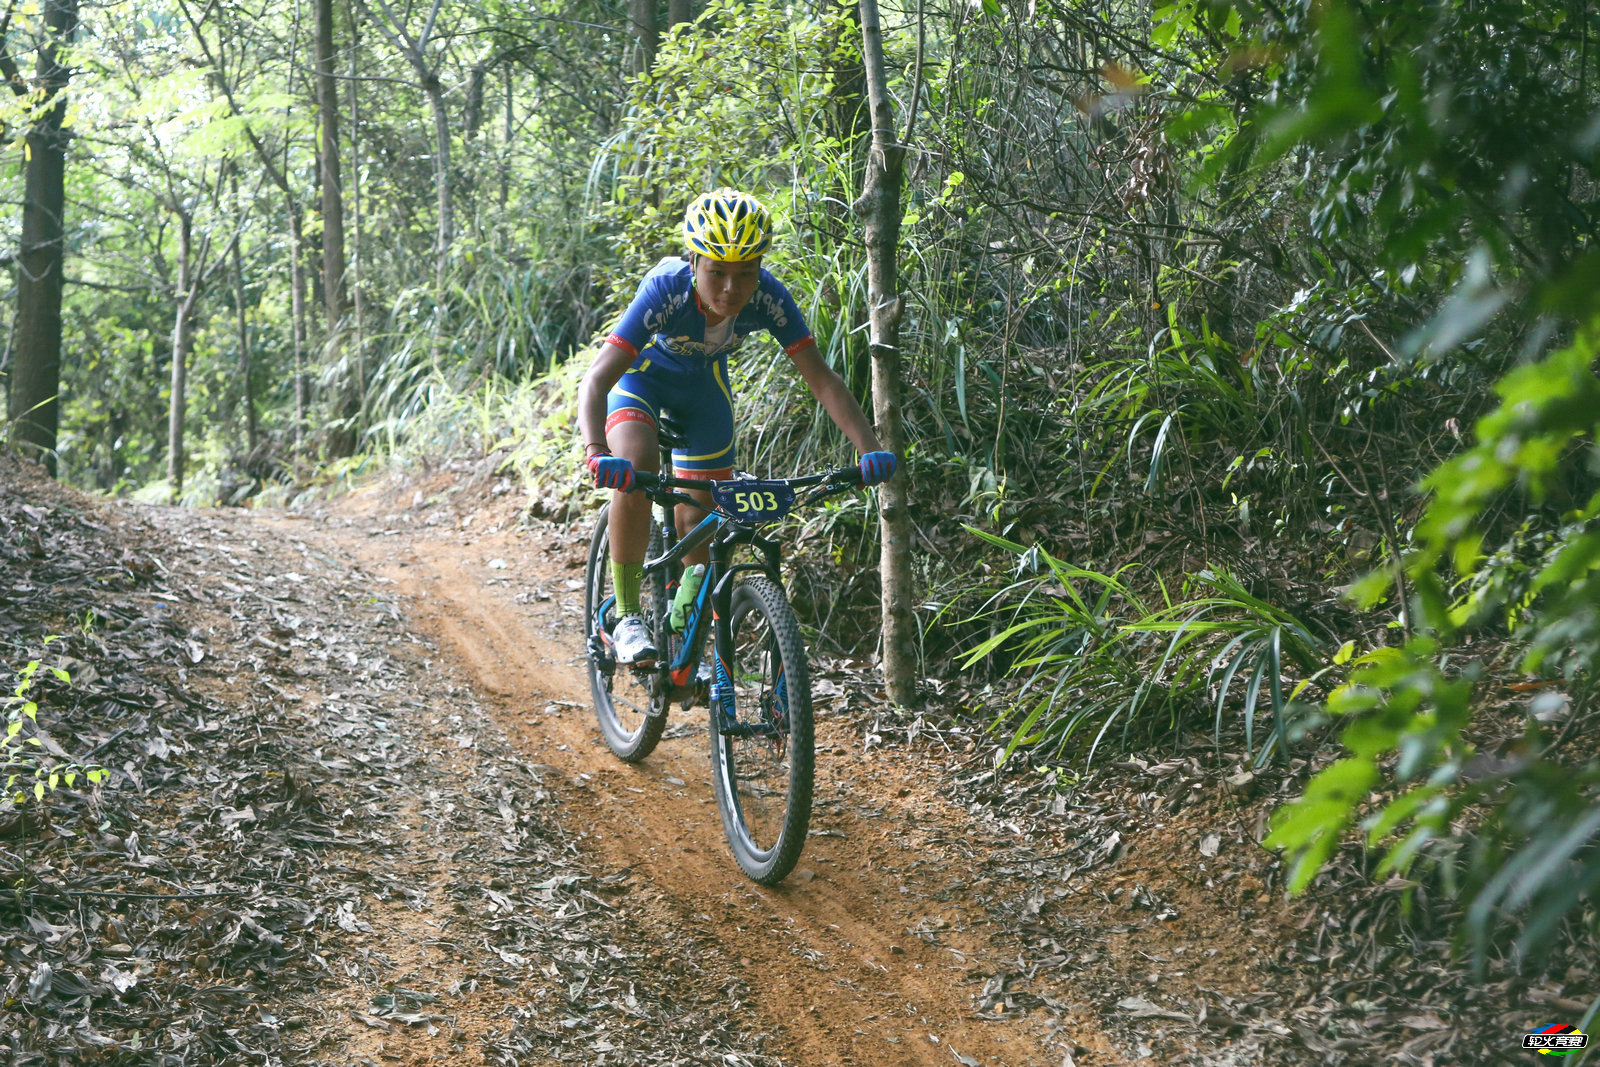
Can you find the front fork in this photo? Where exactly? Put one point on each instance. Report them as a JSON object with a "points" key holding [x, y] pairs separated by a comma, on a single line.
{"points": [[757, 722]]}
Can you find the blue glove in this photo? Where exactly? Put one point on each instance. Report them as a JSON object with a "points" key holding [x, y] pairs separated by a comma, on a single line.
{"points": [[877, 467], [611, 472]]}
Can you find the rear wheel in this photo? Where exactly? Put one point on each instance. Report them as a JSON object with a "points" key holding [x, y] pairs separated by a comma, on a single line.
{"points": [[630, 702], [762, 758]]}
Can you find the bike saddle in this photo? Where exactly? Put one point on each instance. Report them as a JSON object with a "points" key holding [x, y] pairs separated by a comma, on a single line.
{"points": [[670, 431]]}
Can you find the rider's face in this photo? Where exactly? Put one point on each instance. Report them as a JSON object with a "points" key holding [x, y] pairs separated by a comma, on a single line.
{"points": [[725, 288]]}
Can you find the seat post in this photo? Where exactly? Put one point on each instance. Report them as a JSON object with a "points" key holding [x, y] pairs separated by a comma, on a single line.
{"points": [[669, 435]]}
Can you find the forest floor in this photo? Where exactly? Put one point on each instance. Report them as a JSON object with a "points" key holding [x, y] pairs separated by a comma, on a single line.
{"points": [[361, 814]]}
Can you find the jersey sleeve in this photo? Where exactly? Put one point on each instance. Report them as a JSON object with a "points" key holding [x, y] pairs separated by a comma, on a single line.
{"points": [[634, 331], [784, 320]]}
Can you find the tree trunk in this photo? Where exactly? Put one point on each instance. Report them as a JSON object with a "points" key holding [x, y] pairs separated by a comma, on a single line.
{"points": [[344, 433], [250, 427], [36, 370], [879, 209], [333, 265], [505, 155], [358, 336], [472, 110], [646, 33], [441, 177], [297, 312], [182, 340], [679, 11]]}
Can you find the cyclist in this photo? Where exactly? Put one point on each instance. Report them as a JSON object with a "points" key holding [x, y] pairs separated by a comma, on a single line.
{"points": [[671, 350]]}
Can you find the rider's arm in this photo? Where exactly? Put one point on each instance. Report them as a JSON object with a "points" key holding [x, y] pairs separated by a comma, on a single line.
{"points": [[836, 399], [607, 369]]}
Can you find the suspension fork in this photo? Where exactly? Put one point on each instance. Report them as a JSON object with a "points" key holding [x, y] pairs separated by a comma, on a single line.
{"points": [[721, 629], [723, 571]]}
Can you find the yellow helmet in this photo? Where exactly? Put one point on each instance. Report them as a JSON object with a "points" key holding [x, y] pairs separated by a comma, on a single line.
{"points": [[727, 225]]}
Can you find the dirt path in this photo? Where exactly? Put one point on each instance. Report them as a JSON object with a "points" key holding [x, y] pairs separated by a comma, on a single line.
{"points": [[868, 955], [359, 813]]}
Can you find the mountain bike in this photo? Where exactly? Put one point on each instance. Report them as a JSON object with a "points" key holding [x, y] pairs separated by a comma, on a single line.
{"points": [[758, 688]]}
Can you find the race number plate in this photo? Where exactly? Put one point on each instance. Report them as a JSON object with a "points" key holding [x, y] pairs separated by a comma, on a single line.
{"points": [[753, 501]]}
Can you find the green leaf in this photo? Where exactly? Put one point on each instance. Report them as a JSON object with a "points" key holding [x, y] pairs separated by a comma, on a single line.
{"points": [[1368, 590], [1397, 811]]}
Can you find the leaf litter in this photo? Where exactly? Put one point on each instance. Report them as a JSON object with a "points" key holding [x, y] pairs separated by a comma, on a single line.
{"points": [[287, 756], [294, 859]]}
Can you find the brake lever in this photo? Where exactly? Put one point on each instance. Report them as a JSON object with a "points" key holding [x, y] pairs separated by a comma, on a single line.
{"points": [[845, 481]]}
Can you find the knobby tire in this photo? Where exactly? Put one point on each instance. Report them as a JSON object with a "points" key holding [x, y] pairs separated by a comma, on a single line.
{"points": [[620, 699], [765, 822]]}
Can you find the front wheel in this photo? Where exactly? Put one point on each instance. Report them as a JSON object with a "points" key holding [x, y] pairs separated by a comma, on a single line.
{"points": [[630, 702], [762, 756]]}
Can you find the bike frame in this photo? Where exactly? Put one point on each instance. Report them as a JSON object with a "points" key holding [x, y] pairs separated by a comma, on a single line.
{"points": [[723, 534]]}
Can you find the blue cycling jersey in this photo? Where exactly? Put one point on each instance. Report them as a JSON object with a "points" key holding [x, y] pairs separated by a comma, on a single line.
{"points": [[666, 319]]}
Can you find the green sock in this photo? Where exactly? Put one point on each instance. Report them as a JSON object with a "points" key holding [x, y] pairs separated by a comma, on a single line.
{"points": [[626, 578]]}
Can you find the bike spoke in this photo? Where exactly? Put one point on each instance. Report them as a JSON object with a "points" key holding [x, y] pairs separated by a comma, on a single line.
{"points": [[763, 766], [624, 697]]}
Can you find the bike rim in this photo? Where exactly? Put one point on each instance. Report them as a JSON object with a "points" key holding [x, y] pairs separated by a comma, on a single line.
{"points": [[757, 771], [624, 693]]}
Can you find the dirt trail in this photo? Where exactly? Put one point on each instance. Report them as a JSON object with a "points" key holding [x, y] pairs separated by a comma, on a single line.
{"points": [[869, 954], [361, 815]]}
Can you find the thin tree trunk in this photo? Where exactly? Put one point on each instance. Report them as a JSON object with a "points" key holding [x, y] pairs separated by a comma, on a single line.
{"points": [[441, 177], [358, 336], [182, 340], [245, 369], [344, 434], [679, 11], [333, 262], [297, 312], [36, 368], [646, 33], [505, 157], [879, 209], [280, 175]]}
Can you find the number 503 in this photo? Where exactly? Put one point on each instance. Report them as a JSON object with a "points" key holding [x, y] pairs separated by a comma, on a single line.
{"points": [[756, 501]]}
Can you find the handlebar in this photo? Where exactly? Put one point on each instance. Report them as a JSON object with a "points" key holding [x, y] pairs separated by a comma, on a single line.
{"points": [[659, 488]]}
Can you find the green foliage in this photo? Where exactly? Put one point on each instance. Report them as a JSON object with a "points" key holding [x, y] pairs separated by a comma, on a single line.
{"points": [[1096, 654], [34, 764], [1463, 161]]}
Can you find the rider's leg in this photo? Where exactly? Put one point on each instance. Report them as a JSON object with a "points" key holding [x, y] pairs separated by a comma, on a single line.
{"points": [[689, 518], [635, 441]]}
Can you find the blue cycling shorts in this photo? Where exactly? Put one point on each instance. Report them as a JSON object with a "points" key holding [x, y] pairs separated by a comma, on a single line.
{"points": [[700, 402]]}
